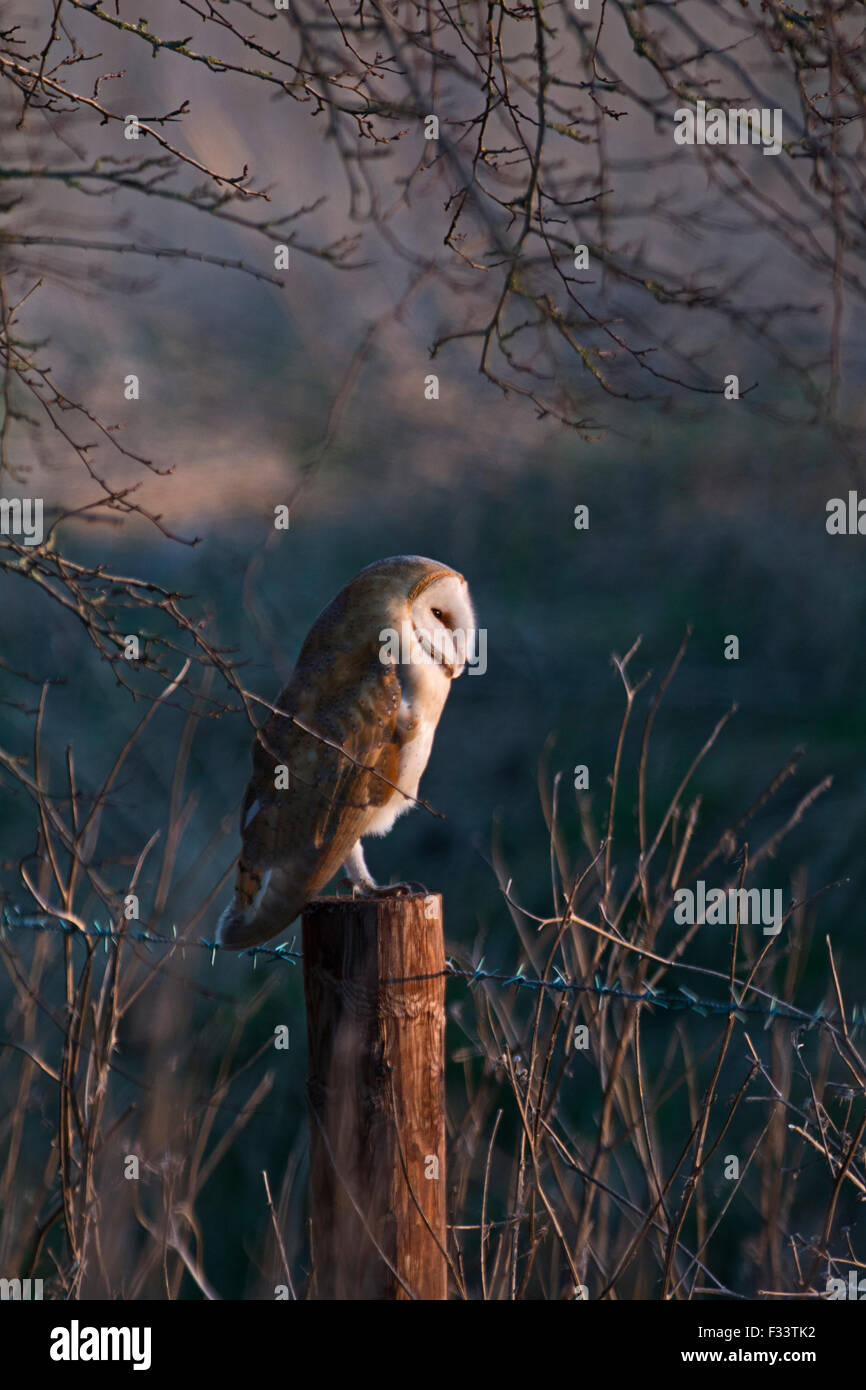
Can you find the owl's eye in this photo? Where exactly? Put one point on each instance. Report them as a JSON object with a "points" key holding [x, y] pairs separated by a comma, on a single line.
{"points": [[437, 613]]}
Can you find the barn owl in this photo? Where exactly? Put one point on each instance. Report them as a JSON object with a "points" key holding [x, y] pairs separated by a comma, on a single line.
{"points": [[365, 698]]}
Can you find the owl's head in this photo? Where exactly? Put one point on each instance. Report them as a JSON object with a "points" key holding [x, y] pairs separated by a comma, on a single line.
{"points": [[416, 610], [443, 620]]}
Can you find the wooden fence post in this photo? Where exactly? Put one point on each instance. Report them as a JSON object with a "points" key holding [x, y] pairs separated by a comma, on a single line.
{"points": [[375, 995]]}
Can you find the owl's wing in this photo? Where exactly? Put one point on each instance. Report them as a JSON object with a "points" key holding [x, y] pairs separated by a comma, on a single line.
{"points": [[312, 798], [334, 791]]}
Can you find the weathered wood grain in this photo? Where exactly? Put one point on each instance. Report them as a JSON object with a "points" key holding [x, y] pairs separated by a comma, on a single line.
{"points": [[376, 1033]]}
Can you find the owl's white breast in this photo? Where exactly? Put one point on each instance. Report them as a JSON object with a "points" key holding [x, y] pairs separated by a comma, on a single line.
{"points": [[425, 690]]}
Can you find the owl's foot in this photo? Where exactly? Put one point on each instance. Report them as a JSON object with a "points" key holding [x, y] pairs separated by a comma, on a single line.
{"points": [[397, 890], [372, 890], [357, 890]]}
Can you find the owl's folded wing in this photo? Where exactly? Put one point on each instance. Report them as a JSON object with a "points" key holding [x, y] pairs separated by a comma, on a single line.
{"points": [[319, 779]]}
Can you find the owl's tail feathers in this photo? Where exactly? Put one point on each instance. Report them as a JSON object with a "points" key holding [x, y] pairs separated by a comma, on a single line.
{"points": [[271, 911]]}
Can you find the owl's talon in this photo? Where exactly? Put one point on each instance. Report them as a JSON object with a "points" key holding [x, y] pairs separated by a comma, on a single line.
{"points": [[372, 890], [397, 890], [357, 890]]}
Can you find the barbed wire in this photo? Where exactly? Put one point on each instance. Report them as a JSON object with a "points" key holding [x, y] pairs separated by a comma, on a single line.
{"points": [[16, 921], [679, 1000]]}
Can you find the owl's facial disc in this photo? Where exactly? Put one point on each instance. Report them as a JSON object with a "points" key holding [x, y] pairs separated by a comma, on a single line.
{"points": [[444, 624]]}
